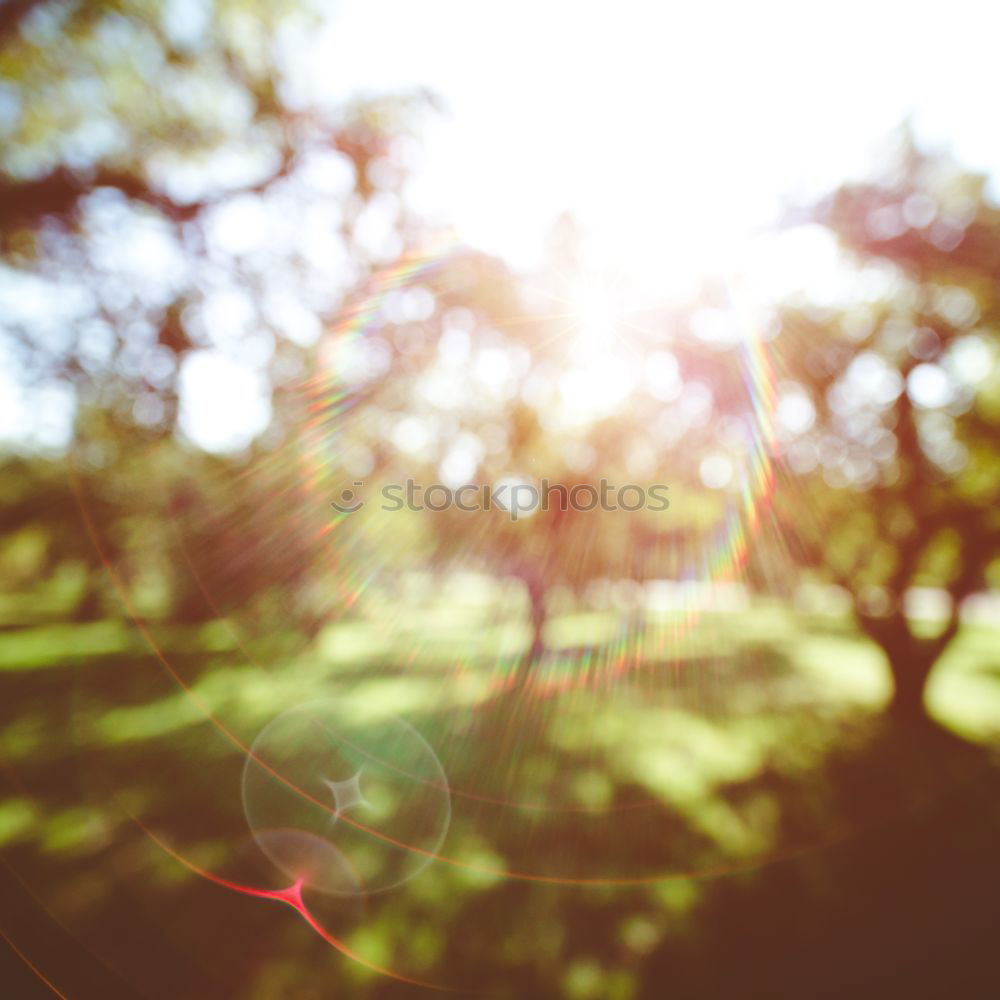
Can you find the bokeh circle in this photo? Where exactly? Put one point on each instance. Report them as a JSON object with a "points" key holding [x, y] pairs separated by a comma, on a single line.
{"points": [[342, 802]]}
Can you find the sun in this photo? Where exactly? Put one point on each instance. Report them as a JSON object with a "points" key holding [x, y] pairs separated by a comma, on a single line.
{"points": [[603, 358]]}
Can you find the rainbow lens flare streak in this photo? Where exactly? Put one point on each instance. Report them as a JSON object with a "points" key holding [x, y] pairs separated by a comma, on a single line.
{"points": [[331, 400]]}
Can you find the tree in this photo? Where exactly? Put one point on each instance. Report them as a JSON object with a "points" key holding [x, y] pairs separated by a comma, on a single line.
{"points": [[468, 374], [898, 408], [164, 207], [165, 197]]}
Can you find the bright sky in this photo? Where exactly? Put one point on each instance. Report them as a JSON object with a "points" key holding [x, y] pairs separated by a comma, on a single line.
{"points": [[671, 129]]}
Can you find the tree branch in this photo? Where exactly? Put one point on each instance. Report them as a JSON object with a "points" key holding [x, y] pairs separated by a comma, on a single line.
{"points": [[12, 15], [57, 194]]}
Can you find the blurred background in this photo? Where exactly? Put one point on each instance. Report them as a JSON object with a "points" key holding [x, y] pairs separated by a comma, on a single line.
{"points": [[254, 255]]}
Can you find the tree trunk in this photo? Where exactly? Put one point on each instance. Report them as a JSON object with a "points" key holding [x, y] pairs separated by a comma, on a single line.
{"points": [[910, 670], [910, 662], [536, 594]]}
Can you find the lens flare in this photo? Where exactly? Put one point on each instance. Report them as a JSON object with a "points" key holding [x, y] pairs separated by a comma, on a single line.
{"points": [[343, 802]]}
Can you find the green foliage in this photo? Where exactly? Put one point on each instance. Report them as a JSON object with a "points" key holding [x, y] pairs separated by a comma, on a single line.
{"points": [[128, 134]]}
